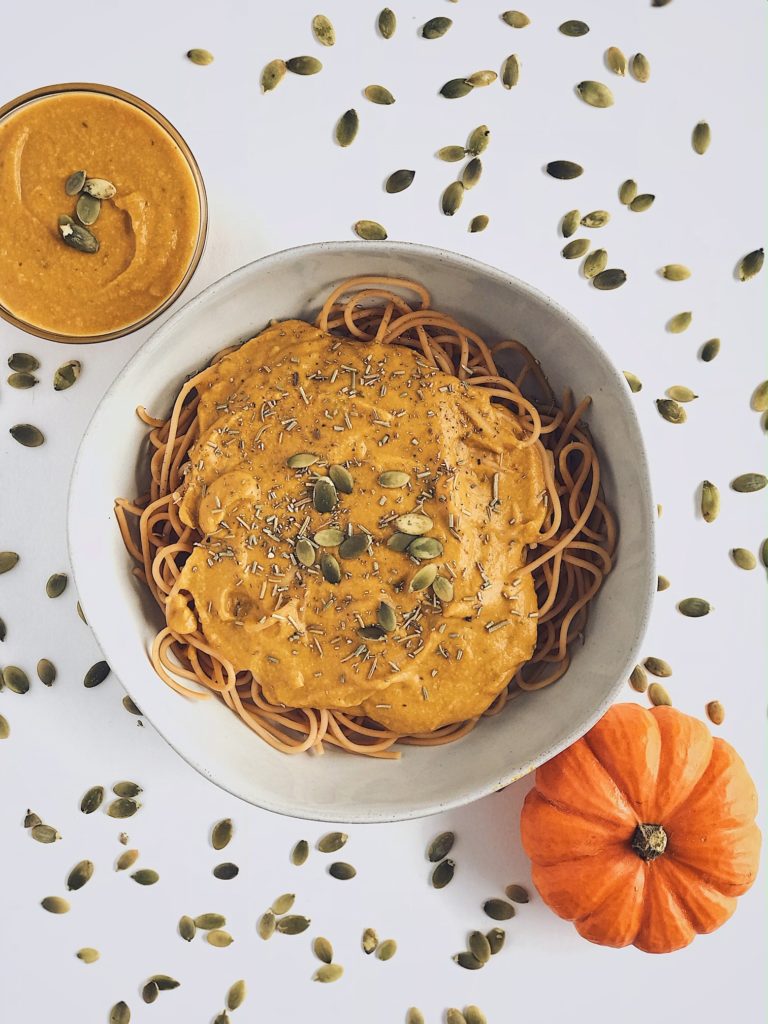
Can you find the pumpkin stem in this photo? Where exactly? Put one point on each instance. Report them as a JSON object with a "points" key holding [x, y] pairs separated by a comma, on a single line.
{"points": [[649, 841]]}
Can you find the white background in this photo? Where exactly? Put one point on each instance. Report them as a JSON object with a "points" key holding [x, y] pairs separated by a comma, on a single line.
{"points": [[276, 179]]}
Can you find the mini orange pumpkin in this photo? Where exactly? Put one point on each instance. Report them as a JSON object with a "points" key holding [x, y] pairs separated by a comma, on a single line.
{"points": [[643, 832]]}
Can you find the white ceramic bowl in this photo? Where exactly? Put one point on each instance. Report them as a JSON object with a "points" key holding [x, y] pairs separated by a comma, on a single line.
{"points": [[337, 786]]}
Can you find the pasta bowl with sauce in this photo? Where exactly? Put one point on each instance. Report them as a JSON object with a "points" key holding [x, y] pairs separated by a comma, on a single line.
{"points": [[245, 589]]}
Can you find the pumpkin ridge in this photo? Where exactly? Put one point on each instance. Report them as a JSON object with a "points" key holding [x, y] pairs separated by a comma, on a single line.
{"points": [[597, 818], [626, 797], [723, 887]]}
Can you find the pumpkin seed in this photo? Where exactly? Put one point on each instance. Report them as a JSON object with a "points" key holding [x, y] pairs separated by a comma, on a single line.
{"points": [[303, 65], [710, 501], [451, 154], [414, 1016], [744, 484], [330, 568], [640, 67], [635, 384], [496, 937], [452, 198], [370, 231], [425, 547], [322, 949], [122, 808], [300, 852], [701, 138], [3, 633], [150, 992], [145, 876], [5, 729], [574, 28], [66, 375], [595, 94], [88, 209], [716, 712], [675, 272], [96, 674], [564, 169], [354, 546], [56, 585], [443, 589], [671, 410], [570, 223], [301, 460], [282, 904], [743, 558], [324, 496], [328, 973], [372, 632], [510, 75], [44, 833], [16, 679], [305, 553], [474, 1015], [120, 1013], [638, 679], [478, 140], [341, 871], [379, 94], [499, 910], [346, 127], [332, 841], [394, 478], [658, 695], [516, 19], [55, 904], [206, 922], [75, 182], [414, 523], [219, 938], [443, 874], [680, 393], [81, 613], [293, 924], [324, 33], [518, 894], [576, 248], [272, 74], [759, 400], [479, 947], [22, 381], [266, 925], [330, 538], [479, 79], [470, 963], [454, 1016], [226, 872], [8, 559], [679, 323], [607, 280], [129, 706], [456, 88], [126, 860], [642, 202], [694, 607], [627, 192], [436, 27], [596, 219], [369, 941], [88, 955], [399, 541], [662, 583], [479, 223], [236, 995], [23, 362], [386, 617], [399, 181], [99, 188], [423, 578], [615, 60], [92, 800], [386, 950], [658, 667], [200, 57], [27, 434], [387, 23], [751, 264], [471, 173], [341, 479], [164, 982], [221, 834], [79, 875]]}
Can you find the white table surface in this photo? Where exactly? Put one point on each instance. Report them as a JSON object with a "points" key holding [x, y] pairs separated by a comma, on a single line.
{"points": [[275, 179]]}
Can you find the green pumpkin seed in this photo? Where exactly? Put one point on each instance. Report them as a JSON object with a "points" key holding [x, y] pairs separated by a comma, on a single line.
{"points": [[659, 696], [386, 617], [640, 67], [414, 1016], [456, 88], [303, 65], [751, 264], [129, 706], [694, 607], [330, 568], [379, 94], [23, 362], [499, 910], [92, 800], [387, 23], [451, 154], [55, 904], [394, 478], [638, 679], [322, 949], [518, 894], [671, 410], [22, 381], [372, 632], [206, 922], [75, 182], [200, 57], [164, 982], [710, 501], [66, 375], [120, 1013], [328, 973], [226, 872], [123, 807], [221, 833], [27, 434], [574, 28], [680, 322], [31, 819], [219, 938], [150, 992], [8, 559], [79, 875], [386, 950], [658, 667], [301, 460], [305, 553], [744, 484], [515, 19], [324, 496], [81, 613], [344, 872], [354, 546], [282, 904], [642, 202], [570, 223], [370, 231], [510, 74], [565, 170], [443, 874], [596, 219], [346, 127], [479, 79], [126, 860], [479, 223], [452, 198], [96, 674], [56, 585], [615, 60], [16, 679], [470, 963], [300, 852], [145, 876], [759, 400], [423, 578], [369, 941], [293, 924], [435, 28], [330, 538], [675, 272], [332, 841], [479, 947], [635, 384], [607, 280], [595, 94], [236, 995], [680, 393], [425, 547], [341, 479], [496, 937], [5, 729], [324, 33], [88, 955], [662, 583], [414, 523], [471, 173], [443, 589], [627, 192], [88, 209], [266, 926], [272, 74], [45, 834], [399, 541], [187, 929], [99, 188], [479, 140], [474, 1015], [744, 558], [576, 248], [399, 181]]}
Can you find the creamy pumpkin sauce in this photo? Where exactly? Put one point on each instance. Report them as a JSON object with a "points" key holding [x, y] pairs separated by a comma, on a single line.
{"points": [[373, 409], [147, 232]]}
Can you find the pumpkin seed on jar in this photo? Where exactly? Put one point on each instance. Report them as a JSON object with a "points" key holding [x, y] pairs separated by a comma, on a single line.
{"points": [[272, 74], [671, 411], [435, 28], [616, 61], [66, 375], [658, 667], [715, 712], [379, 94], [323, 30], [370, 231], [743, 558], [710, 501], [27, 435], [304, 65], [387, 23], [640, 67], [510, 72], [22, 381], [751, 265], [642, 202], [479, 223], [515, 19], [659, 696], [200, 57], [595, 94], [565, 170], [347, 127], [443, 873], [399, 181], [455, 88], [694, 607], [747, 483]]}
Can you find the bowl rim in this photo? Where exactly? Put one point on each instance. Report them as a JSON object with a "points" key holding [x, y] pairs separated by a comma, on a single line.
{"points": [[499, 780], [9, 108]]}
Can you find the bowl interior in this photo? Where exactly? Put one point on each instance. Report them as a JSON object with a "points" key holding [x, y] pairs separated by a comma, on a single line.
{"points": [[337, 786]]}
